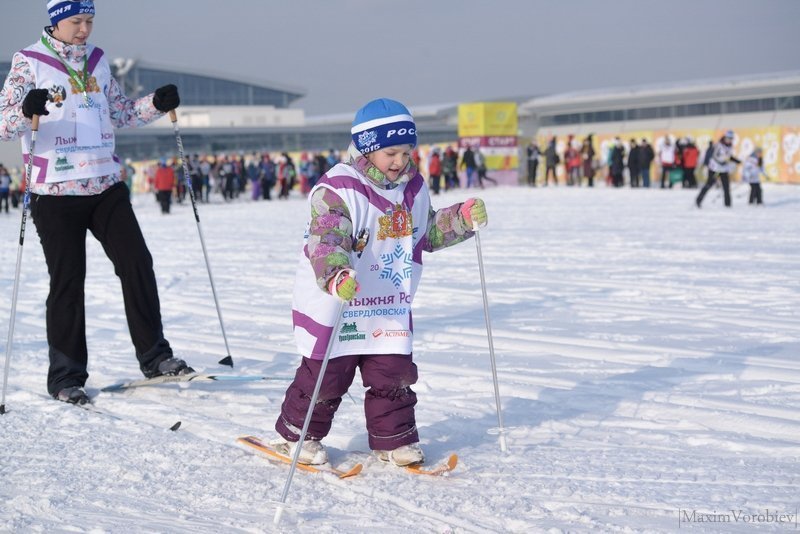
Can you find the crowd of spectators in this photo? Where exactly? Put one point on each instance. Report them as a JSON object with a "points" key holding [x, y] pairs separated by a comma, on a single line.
{"points": [[677, 161], [268, 175]]}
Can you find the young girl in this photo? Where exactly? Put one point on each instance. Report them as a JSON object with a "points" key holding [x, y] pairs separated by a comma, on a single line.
{"points": [[371, 218], [751, 173]]}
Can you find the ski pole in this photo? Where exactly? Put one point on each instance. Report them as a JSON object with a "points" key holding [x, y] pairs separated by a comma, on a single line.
{"points": [[721, 190], [227, 360], [15, 292], [309, 413], [503, 446], [734, 192]]}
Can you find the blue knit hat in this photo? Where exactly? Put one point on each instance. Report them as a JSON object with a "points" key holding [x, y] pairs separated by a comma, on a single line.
{"points": [[61, 9], [383, 123]]}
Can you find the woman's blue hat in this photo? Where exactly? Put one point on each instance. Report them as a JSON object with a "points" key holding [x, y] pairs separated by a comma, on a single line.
{"points": [[61, 9], [383, 123]]}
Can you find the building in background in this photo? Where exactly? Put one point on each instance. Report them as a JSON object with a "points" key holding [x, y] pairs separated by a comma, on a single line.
{"points": [[762, 110], [219, 114]]}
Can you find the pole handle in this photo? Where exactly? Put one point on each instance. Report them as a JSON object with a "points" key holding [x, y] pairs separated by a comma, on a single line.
{"points": [[475, 227], [173, 116], [35, 125]]}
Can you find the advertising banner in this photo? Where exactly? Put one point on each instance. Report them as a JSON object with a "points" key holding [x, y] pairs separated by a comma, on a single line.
{"points": [[789, 155], [492, 128], [487, 119], [780, 145]]}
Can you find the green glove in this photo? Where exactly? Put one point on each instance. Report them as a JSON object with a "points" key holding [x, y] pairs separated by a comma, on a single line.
{"points": [[344, 285], [474, 211]]}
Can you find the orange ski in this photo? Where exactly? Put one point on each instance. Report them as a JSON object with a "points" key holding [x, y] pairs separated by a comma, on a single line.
{"points": [[256, 443], [436, 471]]}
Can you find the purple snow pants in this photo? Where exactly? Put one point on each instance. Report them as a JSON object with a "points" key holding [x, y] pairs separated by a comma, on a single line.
{"points": [[388, 405]]}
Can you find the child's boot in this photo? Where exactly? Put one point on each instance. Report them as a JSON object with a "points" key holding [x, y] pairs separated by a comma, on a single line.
{"points": [[402, 456], [312, 452]]}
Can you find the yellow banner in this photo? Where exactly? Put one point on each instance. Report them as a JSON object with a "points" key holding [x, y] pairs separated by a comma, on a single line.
{"points": [[470, 120], [487, 119], [500, 118]]}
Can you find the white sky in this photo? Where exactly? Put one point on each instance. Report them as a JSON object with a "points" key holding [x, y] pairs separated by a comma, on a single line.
{"points": [[345, 52]]}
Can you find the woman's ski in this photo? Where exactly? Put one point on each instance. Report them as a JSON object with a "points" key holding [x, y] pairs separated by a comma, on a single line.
{"points": [[191, 377]]}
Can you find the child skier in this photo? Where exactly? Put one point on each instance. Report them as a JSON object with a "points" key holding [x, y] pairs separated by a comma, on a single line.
{"points": [[751, 173], [371, 218]]}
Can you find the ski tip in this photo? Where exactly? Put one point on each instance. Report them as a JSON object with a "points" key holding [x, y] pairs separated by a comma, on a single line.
{"points": [[452, 462], [353, 471], [439, 470], [176, 426], [2, 409], [227, 360]]}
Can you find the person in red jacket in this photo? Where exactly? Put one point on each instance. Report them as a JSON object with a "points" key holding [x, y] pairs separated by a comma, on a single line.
{"points": [[572, 163], [165, 183], [690, 156], [435, 170]]}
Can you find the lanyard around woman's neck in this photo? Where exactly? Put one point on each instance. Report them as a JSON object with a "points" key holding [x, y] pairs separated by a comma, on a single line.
{"points": [[80, 83]]}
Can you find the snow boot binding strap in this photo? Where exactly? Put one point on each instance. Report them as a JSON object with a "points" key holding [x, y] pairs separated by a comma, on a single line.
{"points": [[402, 456], [312, 452], [73, 395], [173, 367]]}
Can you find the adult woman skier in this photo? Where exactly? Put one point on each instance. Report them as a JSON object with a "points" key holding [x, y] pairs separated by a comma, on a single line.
{"points": [[76, 186]]}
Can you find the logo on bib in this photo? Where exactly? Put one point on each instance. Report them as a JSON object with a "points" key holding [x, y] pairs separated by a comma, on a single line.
{"points": [[349, 332], [91, 86], [390, 333], [396, 266], [395, 224], [63, 164], [57, 94]]}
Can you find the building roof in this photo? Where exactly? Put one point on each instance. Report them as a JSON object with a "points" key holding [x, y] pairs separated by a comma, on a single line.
{"points": [[293, 91], [665, 94], [211, 73]]}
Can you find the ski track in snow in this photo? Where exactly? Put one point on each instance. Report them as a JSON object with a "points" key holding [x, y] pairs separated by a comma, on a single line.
{"points": [[647, 358]]}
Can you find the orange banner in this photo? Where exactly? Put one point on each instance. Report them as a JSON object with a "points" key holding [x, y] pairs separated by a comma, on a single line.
{"points": [[780, 145], [789, 155]]}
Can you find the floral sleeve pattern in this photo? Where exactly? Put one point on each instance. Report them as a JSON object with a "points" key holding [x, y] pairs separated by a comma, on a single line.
{"points": [[446, 227], [128, 113], [19, 81], [330, 235]]}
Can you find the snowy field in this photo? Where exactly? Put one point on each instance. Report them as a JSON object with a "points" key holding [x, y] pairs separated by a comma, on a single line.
{"points": [[648, 355]]}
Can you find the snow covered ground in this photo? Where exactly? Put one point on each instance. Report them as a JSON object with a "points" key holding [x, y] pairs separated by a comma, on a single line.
{"points": [[648, 356]]}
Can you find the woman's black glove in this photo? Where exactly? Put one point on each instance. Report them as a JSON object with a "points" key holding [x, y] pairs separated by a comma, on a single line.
{"points": [[166, 98], [34, 103]]}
